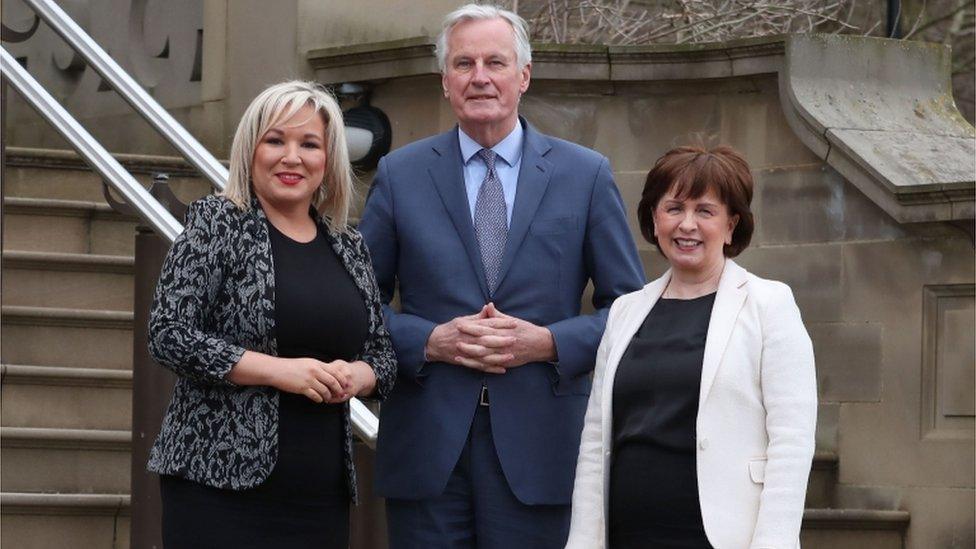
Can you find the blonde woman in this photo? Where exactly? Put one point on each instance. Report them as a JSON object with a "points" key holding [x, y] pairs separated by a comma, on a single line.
{"points": [[268, 313]]}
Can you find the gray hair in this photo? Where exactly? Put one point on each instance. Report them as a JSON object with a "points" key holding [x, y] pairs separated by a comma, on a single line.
{"points": [[271, 107], [474, 12]]}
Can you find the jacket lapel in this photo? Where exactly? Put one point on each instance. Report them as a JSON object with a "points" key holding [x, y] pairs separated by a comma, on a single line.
{"points": [[533, 181], [626, 330], [728, 302], [448, 176]]}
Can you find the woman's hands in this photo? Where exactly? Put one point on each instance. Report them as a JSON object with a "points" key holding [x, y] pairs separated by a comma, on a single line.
{"points": [[329, 382]]}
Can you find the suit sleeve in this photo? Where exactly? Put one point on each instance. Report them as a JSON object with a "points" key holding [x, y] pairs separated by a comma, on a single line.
{"points": [[409, 333], [614, 267], [789, 393], [185, 293]]}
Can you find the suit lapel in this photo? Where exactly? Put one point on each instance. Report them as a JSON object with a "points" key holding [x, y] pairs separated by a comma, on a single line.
{"points": [[447, 174], [728, 302], [534, 176]]}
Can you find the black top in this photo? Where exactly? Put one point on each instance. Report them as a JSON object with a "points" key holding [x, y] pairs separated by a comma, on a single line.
{"points": [[653, 480], [304, 502], [319, 313]]}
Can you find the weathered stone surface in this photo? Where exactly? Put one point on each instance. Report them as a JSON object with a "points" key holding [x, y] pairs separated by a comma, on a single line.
{"points": [[752, 121], [815, 204], [812, 271], [848, 356], [883, 280], [892, 130], [948, 361], [828, 417]]}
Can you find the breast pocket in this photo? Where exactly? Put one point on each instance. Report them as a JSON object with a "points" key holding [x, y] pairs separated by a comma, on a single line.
{"points": [[555, 225]]}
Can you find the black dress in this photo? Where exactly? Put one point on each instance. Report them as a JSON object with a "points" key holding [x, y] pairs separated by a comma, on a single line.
{"points": [[304, 502], [653, 480]]}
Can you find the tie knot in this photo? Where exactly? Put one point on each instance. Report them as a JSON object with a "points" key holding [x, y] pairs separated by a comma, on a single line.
{"points": [[488, 156]]}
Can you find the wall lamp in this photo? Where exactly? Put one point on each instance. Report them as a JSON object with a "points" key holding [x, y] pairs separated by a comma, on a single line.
{"points": [[368, 132]]}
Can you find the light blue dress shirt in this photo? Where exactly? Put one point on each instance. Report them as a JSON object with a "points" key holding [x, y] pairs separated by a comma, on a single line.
{"points": [[509, 151]]}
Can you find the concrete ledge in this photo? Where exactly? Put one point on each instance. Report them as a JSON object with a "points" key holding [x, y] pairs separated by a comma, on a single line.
{"points": [[824, 461], [854, 519], [74, 318], [15, 374], [881, 113], [55, 261], [62, 208], [65, 439], [70, 160], [18, 503], [415, 57]]}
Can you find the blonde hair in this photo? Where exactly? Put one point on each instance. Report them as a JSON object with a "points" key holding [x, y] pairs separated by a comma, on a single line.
{"points": [[279, 103]]}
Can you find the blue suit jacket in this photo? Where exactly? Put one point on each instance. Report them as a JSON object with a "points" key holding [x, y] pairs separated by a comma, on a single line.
{"points": [[568, 227]]}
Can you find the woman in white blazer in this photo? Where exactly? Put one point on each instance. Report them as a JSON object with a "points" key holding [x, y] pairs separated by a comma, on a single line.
{"points": [[700, 425]]}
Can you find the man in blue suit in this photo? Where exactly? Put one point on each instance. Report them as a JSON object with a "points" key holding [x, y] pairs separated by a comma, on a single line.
{"points": [[490, 232]]}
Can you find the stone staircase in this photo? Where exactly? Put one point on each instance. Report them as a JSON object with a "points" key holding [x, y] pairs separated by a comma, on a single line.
{"points": [[66, 350], [66, 366]]}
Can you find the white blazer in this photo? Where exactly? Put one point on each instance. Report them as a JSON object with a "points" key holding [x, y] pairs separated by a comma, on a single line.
{"points": [[757, 414]]}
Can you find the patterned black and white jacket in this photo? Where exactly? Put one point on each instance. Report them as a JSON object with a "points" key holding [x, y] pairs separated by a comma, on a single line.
{"points": [[214, 300]]}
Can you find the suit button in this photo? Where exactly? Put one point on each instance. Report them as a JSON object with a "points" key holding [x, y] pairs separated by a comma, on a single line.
{"points": [[703, 443]]}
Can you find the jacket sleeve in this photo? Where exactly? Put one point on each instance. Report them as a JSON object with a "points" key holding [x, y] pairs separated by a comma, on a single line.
{"points": [[789, 394], [588, 523], [614, 268], [378, 351], [409, 333], [185, 298]]}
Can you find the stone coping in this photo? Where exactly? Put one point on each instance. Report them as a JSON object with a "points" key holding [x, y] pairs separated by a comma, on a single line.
{"points": [[21, 503], [878, 111], [415, 57], [70, 160], [855, 519]]}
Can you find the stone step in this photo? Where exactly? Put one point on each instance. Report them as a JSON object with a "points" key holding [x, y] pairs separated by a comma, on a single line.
{"points": [[853, 529], [74, 461], [68, 398], [823, 478], [62, 174], [56, 521], [81, 281], [66, 337], [67, 226]]}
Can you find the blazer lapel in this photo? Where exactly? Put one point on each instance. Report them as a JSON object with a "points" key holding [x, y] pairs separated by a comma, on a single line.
{"points": [[447, 174], [533, 181], [728, 302], [627, 328]]}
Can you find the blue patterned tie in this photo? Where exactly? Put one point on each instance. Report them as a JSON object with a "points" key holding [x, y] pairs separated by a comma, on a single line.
{"points": [[491, 221]]}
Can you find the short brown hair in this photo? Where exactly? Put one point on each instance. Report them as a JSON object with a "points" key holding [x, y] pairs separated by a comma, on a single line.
{"points": [[692, 171]]}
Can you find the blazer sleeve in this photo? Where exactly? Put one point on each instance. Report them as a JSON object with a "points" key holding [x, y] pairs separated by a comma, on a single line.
{"points": [[789, 394], [378, 350], [588, 523], [409, 333], [614, 267], [185, 297]]}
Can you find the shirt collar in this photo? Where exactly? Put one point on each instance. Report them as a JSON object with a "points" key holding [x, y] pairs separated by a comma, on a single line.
{"points": [[509, 149]]}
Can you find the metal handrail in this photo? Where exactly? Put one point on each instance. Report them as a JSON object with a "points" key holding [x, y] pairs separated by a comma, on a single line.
{"points": [[89, 148], [131, 91], [364, 422]]}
